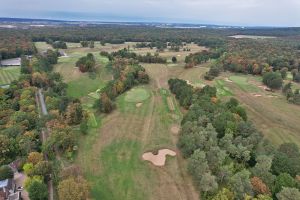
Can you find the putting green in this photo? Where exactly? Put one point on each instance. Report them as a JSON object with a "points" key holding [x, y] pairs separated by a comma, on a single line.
{"points": [[137, 95]]}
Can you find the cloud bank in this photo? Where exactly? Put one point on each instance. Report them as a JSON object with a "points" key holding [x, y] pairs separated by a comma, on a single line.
{"points": [[229, 12]]}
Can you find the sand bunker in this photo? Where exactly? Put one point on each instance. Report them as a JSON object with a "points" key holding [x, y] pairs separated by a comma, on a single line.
{"points": [[160, 158], [257, 95], [189, 82], [138, 105], [227, 80], [265, 88], [175, 129]]}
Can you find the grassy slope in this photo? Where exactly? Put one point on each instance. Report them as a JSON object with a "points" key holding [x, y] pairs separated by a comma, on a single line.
{"points": [[8, 74]]}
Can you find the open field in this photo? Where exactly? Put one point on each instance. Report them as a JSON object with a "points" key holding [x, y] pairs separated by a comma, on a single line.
{"points": [[269, 111], [42, 46], [169, 54], [8, 74], [251, 37]]}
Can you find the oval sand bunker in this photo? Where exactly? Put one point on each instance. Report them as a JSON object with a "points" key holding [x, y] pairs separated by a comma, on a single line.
{"points": [[160, 158]]}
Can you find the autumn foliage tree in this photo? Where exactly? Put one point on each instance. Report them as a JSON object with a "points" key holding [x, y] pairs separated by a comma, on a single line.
{"points": [[259, 186], [74, 113]]}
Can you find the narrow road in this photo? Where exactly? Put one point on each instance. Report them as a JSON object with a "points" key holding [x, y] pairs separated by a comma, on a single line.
{"points": [[41, 104]]}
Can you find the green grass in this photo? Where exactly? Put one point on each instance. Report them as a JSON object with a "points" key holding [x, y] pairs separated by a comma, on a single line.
{"points": [[66, 66], [121, 165], [222, 90], [83, 86], [164, 93], [242, 82], [9, 74], [130, 107], [92, 122], [289, 76], [137, 94]]}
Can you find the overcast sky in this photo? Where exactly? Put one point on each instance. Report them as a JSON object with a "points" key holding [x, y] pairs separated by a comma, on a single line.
{"points": [[226, 12]]}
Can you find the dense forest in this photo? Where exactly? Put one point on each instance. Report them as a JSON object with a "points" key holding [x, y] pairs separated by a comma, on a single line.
{"points": [[227, 157], [14, 44]]}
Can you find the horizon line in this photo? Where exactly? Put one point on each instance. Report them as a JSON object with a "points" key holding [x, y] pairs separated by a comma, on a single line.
{"points": [[146, 21]]}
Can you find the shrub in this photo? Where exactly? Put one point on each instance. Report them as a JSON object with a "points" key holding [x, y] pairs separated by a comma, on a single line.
{"points": [[6, 172]]}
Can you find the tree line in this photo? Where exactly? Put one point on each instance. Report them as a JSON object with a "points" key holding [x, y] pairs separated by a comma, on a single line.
{"points": [[127, 73], [126, 53], [202, 57]]}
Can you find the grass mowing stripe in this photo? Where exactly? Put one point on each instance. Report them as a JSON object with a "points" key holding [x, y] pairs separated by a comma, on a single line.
{"points": [[10, 76], [5, 79]]}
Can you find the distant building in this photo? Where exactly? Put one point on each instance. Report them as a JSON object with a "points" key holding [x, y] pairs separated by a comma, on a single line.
{"points": [[11, 62]]}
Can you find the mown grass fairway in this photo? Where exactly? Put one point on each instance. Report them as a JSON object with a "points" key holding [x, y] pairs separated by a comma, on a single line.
{"points": [[9, 74]]}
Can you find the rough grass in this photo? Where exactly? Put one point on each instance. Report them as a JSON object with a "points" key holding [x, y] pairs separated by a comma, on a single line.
{"points": [[120, 167], [83, 86], [137, 95], [270, 113], [8, 74]]}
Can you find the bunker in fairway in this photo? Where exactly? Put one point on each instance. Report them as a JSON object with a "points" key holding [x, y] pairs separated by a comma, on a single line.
{"points": [[137, 95], [160, 158]]}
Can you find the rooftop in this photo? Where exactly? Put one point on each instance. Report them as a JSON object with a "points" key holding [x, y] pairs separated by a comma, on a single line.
{"points": [[4, 183]]}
